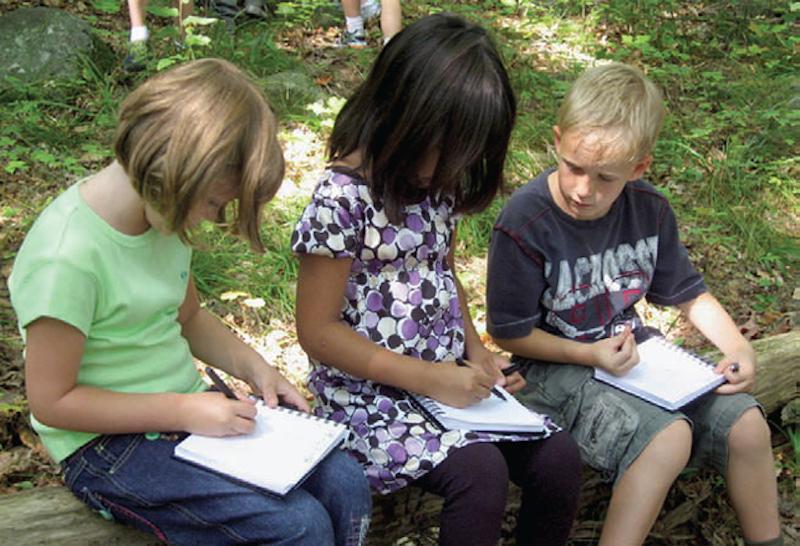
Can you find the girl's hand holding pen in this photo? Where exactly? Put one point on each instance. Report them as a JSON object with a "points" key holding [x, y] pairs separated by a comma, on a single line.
{"points": [[214, 414], [459, 386]]}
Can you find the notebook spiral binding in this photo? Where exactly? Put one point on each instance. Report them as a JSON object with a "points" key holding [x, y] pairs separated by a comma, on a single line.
{"points": [[308, 416], [693, 357], [427, 408]]}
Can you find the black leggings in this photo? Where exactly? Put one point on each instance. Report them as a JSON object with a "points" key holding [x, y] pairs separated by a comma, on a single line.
{"points": [[474, 483]]}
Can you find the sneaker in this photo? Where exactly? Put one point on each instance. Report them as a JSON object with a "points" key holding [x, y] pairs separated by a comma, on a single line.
{"points": [[370, 9], [136, 60], [352, 39]]}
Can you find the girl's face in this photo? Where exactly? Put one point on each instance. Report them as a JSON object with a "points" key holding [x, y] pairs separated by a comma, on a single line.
{"points": [[427, 168], [207, 208]]}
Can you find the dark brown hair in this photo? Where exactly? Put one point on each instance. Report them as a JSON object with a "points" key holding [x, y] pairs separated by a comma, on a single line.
{"points": [[438, 85]]}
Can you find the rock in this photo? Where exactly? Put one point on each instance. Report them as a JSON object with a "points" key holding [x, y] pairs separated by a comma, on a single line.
{"points": [[43, 44]]}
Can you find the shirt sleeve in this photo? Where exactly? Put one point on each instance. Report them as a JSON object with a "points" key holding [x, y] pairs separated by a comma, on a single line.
{"points": [[675, 280], [55, 289], [332, 223], [514, 287]]}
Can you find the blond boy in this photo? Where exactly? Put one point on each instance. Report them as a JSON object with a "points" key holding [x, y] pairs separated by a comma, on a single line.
{"points": [[572, 252]]}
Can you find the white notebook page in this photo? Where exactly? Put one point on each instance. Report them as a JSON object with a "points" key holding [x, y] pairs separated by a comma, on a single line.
{"points": [[282, 449]]}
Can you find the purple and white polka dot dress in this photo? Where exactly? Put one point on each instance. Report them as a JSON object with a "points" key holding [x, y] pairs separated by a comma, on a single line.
{"points": [[400, 294]]}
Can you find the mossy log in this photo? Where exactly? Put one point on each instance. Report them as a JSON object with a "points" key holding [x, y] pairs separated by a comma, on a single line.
{"points": [[51, 515]]}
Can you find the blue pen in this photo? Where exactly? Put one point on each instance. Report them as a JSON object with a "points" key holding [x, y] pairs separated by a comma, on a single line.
{"points": [[494, 390], [220, 384]]}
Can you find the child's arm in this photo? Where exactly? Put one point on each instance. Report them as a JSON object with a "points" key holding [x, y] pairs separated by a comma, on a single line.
{"points": [[322, 334], [708, 316], [476, 351], [53, 354], [213, 343], [615, 354]]}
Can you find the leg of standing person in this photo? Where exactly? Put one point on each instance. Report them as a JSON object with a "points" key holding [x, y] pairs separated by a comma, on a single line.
{"points": [[340, 486], [391, 19], [353, 35], [137, 44], [640, 492], [136, 480], [549, 474], [474, 483]]}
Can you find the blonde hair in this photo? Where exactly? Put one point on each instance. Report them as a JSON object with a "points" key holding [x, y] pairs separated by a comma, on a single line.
{"points": [[621, 101], [194, 126]]}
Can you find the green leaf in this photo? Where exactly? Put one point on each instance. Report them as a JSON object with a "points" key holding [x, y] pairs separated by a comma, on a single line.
{"points": [[193, 21], [166, 63], [14, 166], [42, 156], [107, 6], [161, 11]]}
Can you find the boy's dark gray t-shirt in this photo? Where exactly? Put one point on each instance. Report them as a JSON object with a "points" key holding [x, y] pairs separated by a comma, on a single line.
{"points": [[575, 278]]}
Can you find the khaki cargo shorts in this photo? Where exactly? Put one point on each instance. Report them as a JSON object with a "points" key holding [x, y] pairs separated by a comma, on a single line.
{"points": [[612, 427]]}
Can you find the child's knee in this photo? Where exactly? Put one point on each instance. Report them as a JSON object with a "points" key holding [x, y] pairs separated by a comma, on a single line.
{"points": [[672, 447], [749, 434], [482, 475]]}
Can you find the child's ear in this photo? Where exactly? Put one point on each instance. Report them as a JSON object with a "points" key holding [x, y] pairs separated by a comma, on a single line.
{"points": [[557, 138], [641, 167]]}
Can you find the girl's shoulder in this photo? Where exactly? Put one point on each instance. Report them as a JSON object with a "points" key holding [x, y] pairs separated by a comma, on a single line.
{"points": [[336, 183]]}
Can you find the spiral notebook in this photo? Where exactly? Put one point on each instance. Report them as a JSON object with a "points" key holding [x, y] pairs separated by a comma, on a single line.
{"points": [[666, 374], [492, 414], [284, 448]]}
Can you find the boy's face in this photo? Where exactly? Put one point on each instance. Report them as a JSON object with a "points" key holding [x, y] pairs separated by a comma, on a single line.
{"points": [[589, 177]]}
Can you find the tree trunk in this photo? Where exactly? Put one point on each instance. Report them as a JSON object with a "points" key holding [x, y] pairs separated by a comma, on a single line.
{"points": [[52, 515]]}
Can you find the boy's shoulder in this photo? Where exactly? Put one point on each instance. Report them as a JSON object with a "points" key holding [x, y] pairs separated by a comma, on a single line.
{"points": [[529, 202]]}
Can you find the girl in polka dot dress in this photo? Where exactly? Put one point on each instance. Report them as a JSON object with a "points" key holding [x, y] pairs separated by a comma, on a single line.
{"points": [[380, 310]]}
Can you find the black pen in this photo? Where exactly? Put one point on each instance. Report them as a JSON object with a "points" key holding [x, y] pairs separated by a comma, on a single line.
{"points": [[515, 367], [494, 390], [220, 384]]}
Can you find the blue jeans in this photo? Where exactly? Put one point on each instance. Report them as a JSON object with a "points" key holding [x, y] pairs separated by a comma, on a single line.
{"points": [[134, 479]]}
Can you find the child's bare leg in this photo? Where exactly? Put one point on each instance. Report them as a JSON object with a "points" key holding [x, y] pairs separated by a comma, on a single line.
{"points": [[351, 8], [639, 494], [751, 477], [391, 18]]}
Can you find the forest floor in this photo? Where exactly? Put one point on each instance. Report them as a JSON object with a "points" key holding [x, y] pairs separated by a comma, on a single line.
{"points": [[760, 293]]}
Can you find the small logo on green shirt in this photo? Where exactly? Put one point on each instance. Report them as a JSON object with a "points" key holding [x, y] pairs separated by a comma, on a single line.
{"points": [[184, 274]]}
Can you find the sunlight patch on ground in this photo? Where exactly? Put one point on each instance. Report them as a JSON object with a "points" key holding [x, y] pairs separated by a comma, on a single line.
{"points": [[304, 152], [550, 44]]}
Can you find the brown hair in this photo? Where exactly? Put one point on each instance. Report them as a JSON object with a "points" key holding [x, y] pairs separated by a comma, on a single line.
{"points": [[193, 126], [617, 98]]}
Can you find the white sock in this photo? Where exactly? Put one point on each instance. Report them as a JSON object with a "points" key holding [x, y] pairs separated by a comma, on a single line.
{"points": [[355, 25], [139, 34]]}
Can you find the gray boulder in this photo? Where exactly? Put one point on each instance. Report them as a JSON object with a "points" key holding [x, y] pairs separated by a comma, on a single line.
{"points": [[45, 44]]}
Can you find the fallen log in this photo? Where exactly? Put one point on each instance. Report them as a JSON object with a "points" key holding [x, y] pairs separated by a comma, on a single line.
{"points": [[52, 515]]}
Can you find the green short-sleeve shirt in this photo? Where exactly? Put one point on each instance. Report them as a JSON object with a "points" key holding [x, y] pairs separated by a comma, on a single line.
{"points": [[123, 292]]}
